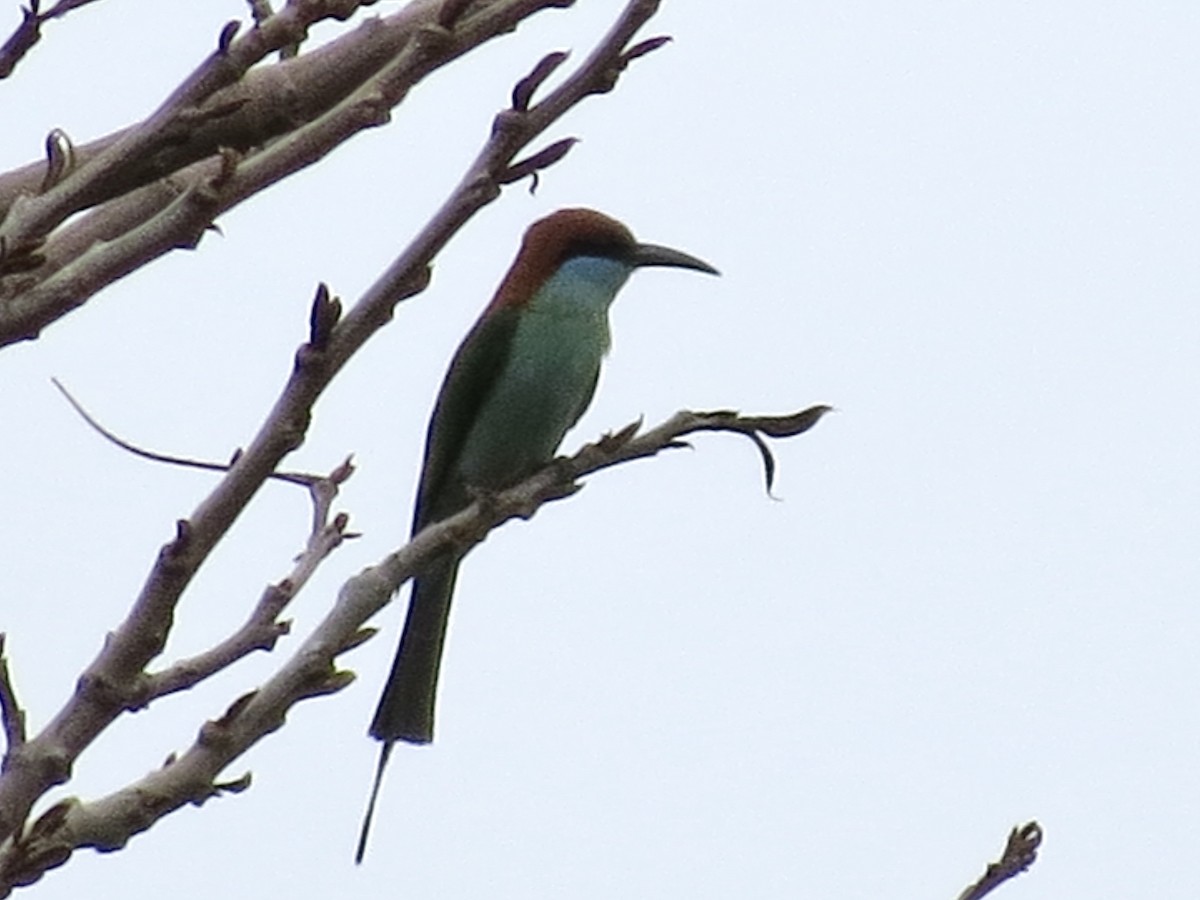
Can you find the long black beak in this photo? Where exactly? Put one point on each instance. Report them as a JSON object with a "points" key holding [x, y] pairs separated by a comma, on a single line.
{"points": [[654, 255]]}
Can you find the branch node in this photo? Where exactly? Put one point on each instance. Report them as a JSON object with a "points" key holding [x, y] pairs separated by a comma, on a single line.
{"points": [[216, 732], [614, 439], [450, 12], [229, 163], [358, 638]]}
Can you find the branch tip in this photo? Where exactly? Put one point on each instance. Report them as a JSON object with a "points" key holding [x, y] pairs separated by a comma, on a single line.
{"points": [[768, 461], [531, 165], [232, 787], [12, 717], [523, 91], [357, 639], [1020, 852], [228, 33], [342, 473], [325, 314], [60, 158], [183, 536], [642, 48]]}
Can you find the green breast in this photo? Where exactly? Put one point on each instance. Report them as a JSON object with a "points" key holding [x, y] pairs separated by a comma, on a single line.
{"points": [[549, 374]]}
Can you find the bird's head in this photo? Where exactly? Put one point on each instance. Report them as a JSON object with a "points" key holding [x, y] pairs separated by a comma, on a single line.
{"points": [[573, 233]]}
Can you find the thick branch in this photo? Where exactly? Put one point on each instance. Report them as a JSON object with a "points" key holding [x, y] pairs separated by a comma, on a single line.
{"points": [[160, 183], [204, 113]]}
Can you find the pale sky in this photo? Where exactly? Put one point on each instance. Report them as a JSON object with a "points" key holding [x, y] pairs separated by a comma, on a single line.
{"points": [[971, 227]]}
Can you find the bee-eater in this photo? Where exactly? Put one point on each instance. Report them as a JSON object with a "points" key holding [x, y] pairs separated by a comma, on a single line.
{"points": [[522, 377]]}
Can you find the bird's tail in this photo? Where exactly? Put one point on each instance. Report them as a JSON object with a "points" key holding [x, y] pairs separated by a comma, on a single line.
{"points": [[405, 711], [384, 752]]}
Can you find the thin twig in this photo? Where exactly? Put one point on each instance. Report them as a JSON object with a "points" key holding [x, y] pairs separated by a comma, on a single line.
{"points": [[263, 628], [305, 479], [1020, 852], [29, 33]]}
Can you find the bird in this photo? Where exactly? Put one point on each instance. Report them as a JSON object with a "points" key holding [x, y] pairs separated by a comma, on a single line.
{"points": [[522, 377]]}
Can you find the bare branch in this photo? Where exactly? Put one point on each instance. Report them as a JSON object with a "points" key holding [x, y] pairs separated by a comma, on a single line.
{"points": [[262, 629], [112, 682], [559, 480], [1020, 852], [21, 41], [32, 218], [281, 118], [108, 823]]}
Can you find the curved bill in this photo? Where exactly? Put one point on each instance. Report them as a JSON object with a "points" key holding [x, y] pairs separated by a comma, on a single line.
{"points": [[654, 255]]}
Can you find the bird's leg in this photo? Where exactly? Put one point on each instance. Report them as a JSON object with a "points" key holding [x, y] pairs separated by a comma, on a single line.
{"points": [[564, 473]]}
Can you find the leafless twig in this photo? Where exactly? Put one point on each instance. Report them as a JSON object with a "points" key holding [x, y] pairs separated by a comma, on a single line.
{"points": [[307, 479], [263, 627], [1020, 852], [109, 822], [112, 683], [29, 33]]}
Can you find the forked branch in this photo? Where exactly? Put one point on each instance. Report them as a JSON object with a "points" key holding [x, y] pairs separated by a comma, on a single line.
{"points": [[115, 681], [109, 822]]}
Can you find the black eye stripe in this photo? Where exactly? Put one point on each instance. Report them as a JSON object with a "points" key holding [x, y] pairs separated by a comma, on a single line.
{"points": [[607, 249]]}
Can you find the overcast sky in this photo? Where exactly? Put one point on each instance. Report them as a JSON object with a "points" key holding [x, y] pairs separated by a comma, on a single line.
{"points": [[971, 227]]}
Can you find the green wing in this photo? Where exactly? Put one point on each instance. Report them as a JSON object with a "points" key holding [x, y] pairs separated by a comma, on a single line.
{"points": [[472, 376]]}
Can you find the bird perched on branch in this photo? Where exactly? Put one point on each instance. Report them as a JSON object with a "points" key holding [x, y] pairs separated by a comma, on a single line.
{"points": [[522, 377]]}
